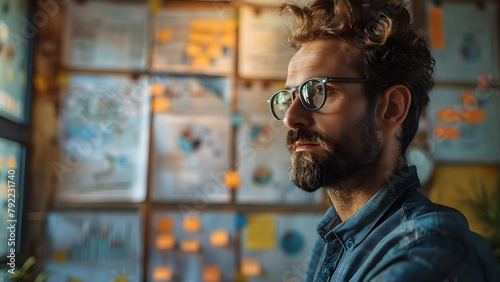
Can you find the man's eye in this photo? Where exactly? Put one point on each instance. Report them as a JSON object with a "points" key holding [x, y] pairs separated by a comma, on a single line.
{"points": [[319, 90]]}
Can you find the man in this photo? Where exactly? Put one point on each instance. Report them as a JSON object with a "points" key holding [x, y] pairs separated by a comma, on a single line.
{"points": [[355, 89]]}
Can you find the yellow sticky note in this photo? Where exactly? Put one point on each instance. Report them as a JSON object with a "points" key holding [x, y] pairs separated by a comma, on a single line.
{"points": [[436, 25], [5, 191], [165, 241], [191, 224], [11, 162], [164, 35], [63, 80], [228, 40], [165, 224], [219, 238], [261, 232], [121, 278], [211, 273], [155, 5], [10, 75], [251, 267], [193, 50], [40, 83], [191, 245], [60, 256], [163, 273], [214, 51]]}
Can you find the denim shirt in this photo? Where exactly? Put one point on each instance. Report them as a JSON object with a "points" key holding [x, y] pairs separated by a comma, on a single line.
{"points": [[400, 235]]}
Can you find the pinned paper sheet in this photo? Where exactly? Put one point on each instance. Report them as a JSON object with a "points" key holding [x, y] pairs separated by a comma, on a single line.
{"points": [[436, 25], [191, 224], [163, 273], [165, 242], [261, 232], [211, 273], [251, 267], [165, 224], [190, 245], [219, 238]]}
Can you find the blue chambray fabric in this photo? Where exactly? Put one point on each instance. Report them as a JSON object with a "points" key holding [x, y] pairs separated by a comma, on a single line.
{"points": [[400, 235]]}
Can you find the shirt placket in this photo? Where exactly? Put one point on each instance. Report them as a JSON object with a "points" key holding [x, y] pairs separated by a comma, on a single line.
{"points": [[330, 261]]}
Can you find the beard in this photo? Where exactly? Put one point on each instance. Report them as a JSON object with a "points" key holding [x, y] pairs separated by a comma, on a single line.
{"points": [[339, 160]]}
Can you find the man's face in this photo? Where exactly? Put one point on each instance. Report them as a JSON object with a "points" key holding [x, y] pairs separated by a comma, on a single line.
{"points": [[334, 143]]}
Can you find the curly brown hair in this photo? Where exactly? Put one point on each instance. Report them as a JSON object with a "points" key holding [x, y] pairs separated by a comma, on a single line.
{"points": [[392, 51]]}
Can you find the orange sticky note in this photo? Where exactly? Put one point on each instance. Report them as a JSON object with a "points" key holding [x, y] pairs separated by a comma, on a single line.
{"points": [[436, 25], [163, 273], [165, 224], [164, 35], [474, 116], [251, 267], [211, 273], [157, 89], [449, 115], [468, 98], [191, 224], [232, 179], [165, 241], [11, 162], [190, 245], [446, 132], [161, 104], [219, 238]]}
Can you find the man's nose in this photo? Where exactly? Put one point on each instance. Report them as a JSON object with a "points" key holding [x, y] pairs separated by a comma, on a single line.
{"points": [[297, 116]]}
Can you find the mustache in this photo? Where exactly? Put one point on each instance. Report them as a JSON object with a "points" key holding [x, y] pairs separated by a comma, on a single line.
{"points": [[304, 135]]}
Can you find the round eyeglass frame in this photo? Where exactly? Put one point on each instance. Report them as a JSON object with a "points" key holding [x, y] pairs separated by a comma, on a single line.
{"points": [[322, 80]]}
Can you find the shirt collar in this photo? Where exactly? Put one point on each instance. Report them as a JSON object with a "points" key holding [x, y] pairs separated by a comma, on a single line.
{"points": [[355, 229]]}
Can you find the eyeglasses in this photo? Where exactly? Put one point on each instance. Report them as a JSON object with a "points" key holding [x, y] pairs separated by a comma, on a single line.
{"points": [[312, 95]]}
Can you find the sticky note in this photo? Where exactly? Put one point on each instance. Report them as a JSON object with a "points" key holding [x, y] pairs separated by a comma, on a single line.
{"points": [[474, 116], [165, 224], [161, 104], [5, 191], [191, 245], [251, 267], [219, 238], [201, 61], [232, 179], [449, 115], [11, 162], [446, 132], [211, 273], [10, 75], [468, 98], [63, 80], [163, 273], [436, 25], [193, 50], [60, 256], [164, 35], [191, 224], [228, 40], [261, 232], [157, 89], [165, 241], [121, 278], [214, 51]]}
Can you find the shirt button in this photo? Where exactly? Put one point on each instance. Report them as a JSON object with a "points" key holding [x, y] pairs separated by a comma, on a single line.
{"points": [[349, 244], [326, 271]]}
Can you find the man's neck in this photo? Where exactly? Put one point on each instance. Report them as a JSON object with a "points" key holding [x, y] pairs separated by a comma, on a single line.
{"points": [[352, 194]]}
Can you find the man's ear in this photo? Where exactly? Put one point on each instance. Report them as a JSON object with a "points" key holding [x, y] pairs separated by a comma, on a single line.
{"points": [[393, 106]]}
